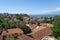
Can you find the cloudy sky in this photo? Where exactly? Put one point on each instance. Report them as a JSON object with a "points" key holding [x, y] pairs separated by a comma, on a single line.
{"points": [[29, 6]]}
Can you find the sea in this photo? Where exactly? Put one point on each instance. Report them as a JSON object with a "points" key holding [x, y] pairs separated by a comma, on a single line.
{"points": [[33, 16]]}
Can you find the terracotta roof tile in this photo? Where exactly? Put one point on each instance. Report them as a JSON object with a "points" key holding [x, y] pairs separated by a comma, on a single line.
{"points": [[25, 37], [12, 31], [32, 26], [41, 32]]}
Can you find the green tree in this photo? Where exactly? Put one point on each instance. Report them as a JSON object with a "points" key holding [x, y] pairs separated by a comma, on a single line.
{"points": [[48, 20], [57, 21], [9, 25], [20, 17], [56, 32], [1, 29], [12, 25], [1, 19], [56, 28], [1, 22], [25, 28]]}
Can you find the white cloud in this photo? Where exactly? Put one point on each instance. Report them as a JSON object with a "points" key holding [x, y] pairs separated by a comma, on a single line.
{"points": [[57, 9], [49, 11]]}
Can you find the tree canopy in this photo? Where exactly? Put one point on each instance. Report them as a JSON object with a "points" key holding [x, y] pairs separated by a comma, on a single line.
{"points": [[9, 23], [25, 28], [56, 28], [20, 17]]}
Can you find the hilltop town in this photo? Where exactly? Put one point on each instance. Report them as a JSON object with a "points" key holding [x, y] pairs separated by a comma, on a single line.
{"points": [[23, 27]]}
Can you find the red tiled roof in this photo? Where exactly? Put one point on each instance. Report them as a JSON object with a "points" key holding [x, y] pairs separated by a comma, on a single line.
{"points": [[47, 25], [41, 32], [32, 26], [35, 35], [12, 31], [33, 19], [25, 37]]}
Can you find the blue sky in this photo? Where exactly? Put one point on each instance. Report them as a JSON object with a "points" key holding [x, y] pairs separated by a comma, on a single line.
{"points": [[29, 6]]}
